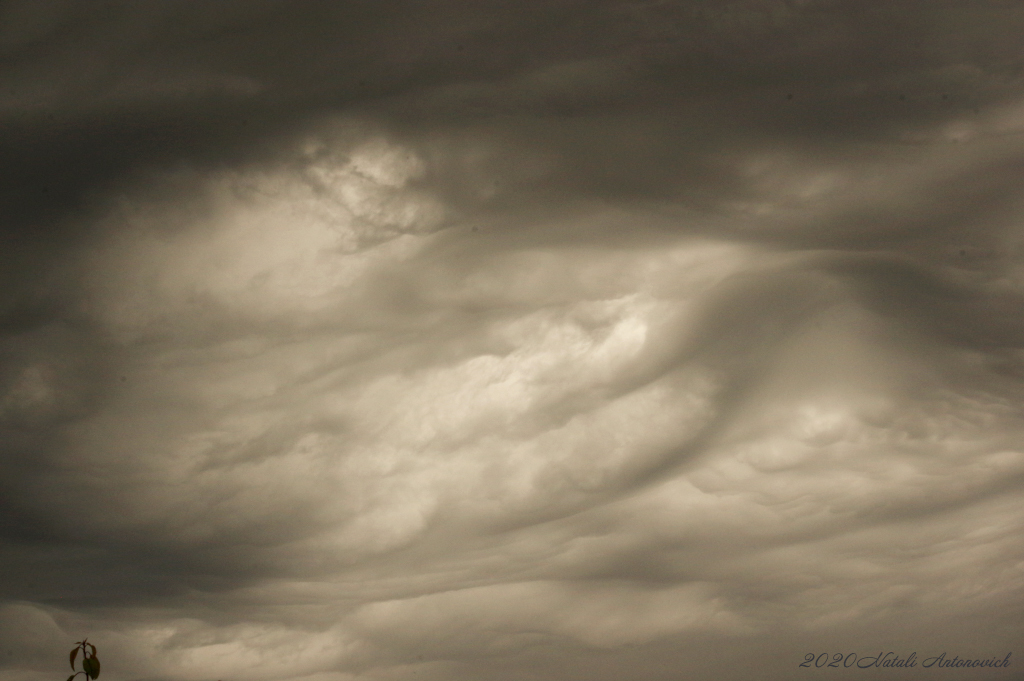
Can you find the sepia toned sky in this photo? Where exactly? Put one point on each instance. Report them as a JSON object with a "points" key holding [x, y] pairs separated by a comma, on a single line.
{"points": [[511, 341]]}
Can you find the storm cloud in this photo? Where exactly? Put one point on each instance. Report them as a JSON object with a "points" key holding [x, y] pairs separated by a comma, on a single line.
{"points": [[486, 340]]}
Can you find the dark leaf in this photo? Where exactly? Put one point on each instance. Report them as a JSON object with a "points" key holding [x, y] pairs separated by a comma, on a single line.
{"points": [[74, 654]]}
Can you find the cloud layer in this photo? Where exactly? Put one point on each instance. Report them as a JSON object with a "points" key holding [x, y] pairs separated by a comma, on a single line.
{"points": [[536, 341]]}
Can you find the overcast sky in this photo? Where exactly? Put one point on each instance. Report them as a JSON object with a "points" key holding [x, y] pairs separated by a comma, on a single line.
{"points": [[508, 340]]}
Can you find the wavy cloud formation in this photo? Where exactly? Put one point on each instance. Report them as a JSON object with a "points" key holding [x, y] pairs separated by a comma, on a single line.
{"points": [[559, 341]]}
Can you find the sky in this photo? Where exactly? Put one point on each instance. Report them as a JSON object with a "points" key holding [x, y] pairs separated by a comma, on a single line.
{"points": [[511, 341]]}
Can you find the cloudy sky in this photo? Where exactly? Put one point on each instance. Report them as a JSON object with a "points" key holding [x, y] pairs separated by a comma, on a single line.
{"points": [[509, 340]]}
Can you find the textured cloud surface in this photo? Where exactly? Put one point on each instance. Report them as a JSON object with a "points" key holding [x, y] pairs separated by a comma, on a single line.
{"points": [[491, 341]]}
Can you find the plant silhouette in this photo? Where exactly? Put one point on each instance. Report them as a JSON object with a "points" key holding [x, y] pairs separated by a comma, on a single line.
{"points": [[90, 663]]}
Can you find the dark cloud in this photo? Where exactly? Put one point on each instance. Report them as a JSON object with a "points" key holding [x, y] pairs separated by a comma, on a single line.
{"points": [[496, 340]]}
